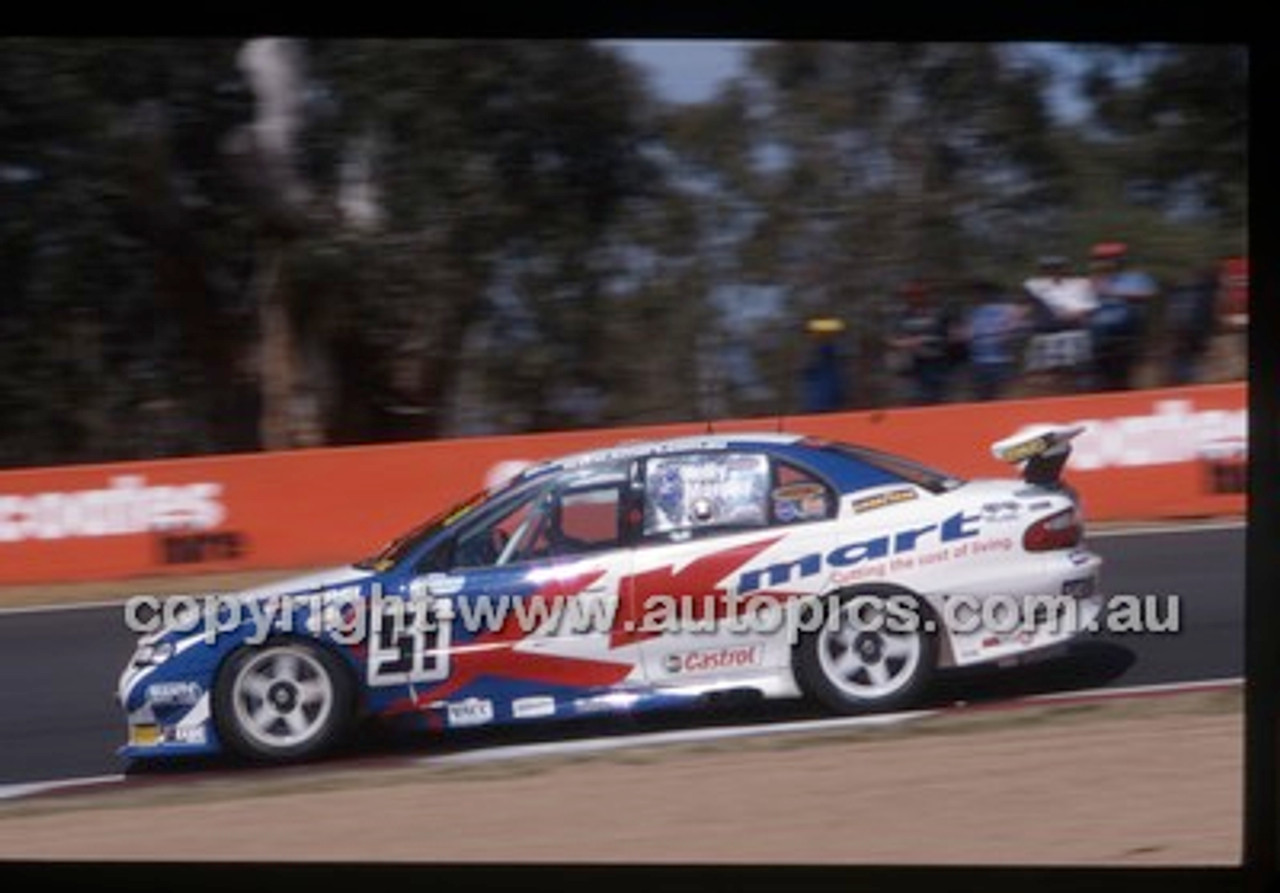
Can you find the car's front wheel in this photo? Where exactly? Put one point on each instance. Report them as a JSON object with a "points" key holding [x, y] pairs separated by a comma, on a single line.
{"points": [[286, 700], [876, 651]]}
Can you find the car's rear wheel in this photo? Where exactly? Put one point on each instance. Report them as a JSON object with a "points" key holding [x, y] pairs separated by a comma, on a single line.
{"points": [[868, 655], [286, 700]]}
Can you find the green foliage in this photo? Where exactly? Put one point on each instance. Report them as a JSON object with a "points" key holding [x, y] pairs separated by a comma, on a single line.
{"points": [[119, 239], [514, 235], [1183, 124]]}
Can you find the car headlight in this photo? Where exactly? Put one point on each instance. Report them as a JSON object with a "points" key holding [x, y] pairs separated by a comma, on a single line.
{"points": [[152, 654]]}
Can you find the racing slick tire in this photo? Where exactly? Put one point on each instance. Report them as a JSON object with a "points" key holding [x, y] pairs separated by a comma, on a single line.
{"points": [[285, 700], [864, 658]]}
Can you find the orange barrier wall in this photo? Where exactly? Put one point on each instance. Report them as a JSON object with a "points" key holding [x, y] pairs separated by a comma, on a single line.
{"points": [[1147, 454]]}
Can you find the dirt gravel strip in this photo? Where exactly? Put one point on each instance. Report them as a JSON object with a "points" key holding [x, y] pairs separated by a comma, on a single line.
{"points": [[1154, 781]]}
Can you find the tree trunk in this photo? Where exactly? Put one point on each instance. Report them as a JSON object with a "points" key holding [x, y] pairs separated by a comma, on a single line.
{"points": [[275, 427]]}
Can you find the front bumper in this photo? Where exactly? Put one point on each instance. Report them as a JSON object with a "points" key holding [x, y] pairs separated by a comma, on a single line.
{"points": [[152, 740], [168, 715]]}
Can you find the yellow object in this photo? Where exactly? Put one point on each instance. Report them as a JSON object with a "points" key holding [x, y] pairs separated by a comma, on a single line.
{"points": [[824, 325], [142, 736]]}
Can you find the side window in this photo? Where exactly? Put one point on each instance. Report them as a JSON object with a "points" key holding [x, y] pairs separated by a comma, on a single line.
{"points": [[799, 496], [545, 524], [589, 521], [702, 492], [516, 533]]}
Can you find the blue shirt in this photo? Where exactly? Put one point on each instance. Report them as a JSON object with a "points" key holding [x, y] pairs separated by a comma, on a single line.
{"points": [[1129, 284], [823, 383], [991, 331]]}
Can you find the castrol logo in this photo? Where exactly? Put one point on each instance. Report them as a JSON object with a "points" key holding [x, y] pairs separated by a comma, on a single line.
{"points": [[731, 657]]}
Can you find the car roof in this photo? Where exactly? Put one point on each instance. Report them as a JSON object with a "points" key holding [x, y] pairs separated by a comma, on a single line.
{"points": [[640, 449]]}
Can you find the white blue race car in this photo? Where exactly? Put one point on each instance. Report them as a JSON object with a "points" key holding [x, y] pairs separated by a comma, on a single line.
{"points": [[645, 576]]}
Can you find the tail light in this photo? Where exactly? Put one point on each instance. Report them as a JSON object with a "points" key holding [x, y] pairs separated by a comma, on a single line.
{"points": [[1058, 531]]}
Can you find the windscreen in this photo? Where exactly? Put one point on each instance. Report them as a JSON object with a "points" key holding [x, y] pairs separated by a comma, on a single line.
{"points": [[397, 549]]}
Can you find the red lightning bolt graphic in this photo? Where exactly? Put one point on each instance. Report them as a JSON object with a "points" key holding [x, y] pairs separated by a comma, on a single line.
{"points": [[492, 654], [697, 581]]}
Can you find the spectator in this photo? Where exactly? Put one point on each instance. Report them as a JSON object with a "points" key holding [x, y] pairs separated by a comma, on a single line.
{"points": [[1066, 300], [923, 335], [995, 327], [1118, 322], [1112, 276], [1191, 316], [1233, 297], [1063, 303], [823, 377]]}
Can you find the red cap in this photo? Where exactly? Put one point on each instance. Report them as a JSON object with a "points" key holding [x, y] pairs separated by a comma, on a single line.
{"points": [[1236, 266], [1109, 250]]}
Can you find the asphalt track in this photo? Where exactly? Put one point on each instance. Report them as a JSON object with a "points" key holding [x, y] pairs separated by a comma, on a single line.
{"points": [[58, 668]]}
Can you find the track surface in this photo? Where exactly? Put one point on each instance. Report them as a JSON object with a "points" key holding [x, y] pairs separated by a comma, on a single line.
{"points": [[58, 669]]}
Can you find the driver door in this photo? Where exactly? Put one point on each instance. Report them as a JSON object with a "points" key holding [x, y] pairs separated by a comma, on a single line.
{"points": [[531, 587]]}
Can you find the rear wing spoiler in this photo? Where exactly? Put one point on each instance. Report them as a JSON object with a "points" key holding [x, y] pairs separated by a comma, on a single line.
{"points": [[1044, 449]]}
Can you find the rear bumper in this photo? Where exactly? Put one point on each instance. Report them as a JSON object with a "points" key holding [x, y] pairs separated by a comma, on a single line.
{"points": [[1066, 604]]}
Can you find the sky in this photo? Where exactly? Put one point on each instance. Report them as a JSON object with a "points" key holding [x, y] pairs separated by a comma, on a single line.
{"points": [[686, 70], [692, 70]]}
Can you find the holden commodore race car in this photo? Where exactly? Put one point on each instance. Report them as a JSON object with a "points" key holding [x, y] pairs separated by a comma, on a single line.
{"points": [[630, 578]]}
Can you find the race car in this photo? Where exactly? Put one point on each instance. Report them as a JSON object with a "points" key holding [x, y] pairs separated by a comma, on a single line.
{"points": [[648, 575]]}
